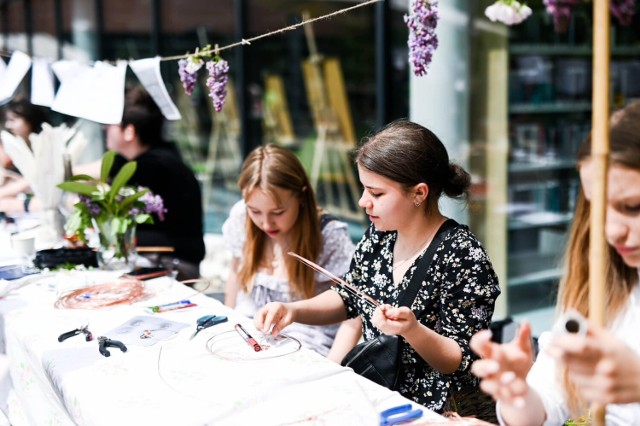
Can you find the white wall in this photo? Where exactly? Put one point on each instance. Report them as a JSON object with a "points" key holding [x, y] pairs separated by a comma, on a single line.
{"points": [[439, 100]]}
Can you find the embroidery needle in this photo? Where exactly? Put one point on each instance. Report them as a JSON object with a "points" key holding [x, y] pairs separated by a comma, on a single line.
{"points": [[335, 279]]}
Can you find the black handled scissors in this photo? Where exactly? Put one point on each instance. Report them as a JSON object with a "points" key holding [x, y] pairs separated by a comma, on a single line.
{"points": [[208, 321]]}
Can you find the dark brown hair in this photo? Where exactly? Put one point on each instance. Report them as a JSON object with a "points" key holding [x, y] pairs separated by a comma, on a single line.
{"points": [[141, 111], [409, 154], [32, 114]]}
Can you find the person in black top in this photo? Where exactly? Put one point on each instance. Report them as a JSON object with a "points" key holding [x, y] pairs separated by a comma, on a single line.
{"points": [[159, 167]]}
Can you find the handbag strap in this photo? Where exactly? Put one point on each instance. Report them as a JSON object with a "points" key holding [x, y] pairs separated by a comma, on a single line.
{"points": [[409, 295]]}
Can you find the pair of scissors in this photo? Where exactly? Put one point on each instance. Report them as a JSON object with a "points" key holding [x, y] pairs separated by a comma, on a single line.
{"points": [[399, 414], [208, 321]]}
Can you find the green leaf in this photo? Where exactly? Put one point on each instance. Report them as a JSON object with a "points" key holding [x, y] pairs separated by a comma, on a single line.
{"points": [[78, 188], [120, 225], [123, 177], [73, 222], [132, 198], [144, 218], [84, 177], [107, 163]]}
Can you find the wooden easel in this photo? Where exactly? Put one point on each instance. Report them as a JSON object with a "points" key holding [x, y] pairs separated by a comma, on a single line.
{"points": [[332, 172], [222, 153], [277, 120], [188, 136]]}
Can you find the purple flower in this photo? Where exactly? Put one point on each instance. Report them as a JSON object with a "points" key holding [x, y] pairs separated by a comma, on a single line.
{"points": [[94, 208], [187, 78], [153, 204], [623, 10], [423, 40], [560, 10], [217, 82]]}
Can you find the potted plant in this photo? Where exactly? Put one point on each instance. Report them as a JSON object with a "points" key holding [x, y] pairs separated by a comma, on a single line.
{"points": [[113, 210]]}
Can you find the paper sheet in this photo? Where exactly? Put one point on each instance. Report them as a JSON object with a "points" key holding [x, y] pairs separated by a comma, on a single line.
{"points": [[154, 328], [96, 94], [42, 83], [20, 154], [13, 75], [148, 72], [65, 69]]}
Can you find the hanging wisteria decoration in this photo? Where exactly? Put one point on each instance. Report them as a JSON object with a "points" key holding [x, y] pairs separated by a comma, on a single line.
{"points": [[423, 41], [623, 10], [218, 70], [508, 12], [188, 72], [217, 82], [560, 10]]}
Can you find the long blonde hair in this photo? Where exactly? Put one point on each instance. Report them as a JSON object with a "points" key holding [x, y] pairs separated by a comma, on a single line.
{"points": [[620, 278], [267, 168]]}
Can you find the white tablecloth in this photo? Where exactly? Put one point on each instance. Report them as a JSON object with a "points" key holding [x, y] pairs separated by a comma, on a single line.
{"points": [[173, 382]]}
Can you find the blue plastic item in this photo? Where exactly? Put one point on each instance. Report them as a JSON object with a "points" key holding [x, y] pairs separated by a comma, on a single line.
{"points": [[399, 414]]}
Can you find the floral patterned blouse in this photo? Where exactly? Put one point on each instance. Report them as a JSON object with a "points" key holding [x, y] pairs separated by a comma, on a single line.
{"points": [[456, 299]]}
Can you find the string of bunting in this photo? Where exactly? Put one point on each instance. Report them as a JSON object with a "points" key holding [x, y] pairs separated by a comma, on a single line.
{"points": [[423, 41], [80, 100]]}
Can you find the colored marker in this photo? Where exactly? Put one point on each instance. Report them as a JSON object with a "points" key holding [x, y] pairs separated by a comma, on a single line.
{"points": [[171, 306], [247, 338]]}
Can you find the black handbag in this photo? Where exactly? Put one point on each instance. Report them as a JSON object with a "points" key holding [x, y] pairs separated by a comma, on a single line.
{"points": [[379, 359]]}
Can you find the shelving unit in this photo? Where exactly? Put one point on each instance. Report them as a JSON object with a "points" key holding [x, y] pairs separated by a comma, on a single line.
{"points": [[549, 114]]}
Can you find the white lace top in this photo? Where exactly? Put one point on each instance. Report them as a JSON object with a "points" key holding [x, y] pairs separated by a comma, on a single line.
{"points": [[335, 256]]}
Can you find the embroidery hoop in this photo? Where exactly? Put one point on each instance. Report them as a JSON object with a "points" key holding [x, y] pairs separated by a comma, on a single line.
{"points": [[229, 346]]}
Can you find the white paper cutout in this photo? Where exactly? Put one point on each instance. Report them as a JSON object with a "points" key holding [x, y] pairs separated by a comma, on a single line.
{"points": [[14, 73], [3, 67], [96, 94], [64, 69], [148, 72], [42, 83]]}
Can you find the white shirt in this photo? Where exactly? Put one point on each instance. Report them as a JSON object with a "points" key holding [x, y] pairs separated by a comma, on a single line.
{"points": [[545, 379]]}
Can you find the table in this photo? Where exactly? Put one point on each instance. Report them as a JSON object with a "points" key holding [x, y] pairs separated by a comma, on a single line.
{"points": [[173, 382]]}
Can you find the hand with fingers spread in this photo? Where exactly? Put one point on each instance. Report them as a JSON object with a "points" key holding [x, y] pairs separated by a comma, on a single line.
{"points": [[603, 368], [503, 369], [274, 317]]}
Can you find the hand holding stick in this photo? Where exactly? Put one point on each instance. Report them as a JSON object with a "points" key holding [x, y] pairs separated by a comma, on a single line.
{"points": [[336, 280]]}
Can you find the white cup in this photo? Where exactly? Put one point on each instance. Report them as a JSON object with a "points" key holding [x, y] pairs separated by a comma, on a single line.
{"points": [[24, 245]]}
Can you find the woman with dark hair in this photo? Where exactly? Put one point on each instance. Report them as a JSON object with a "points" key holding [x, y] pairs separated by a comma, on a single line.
{"points": [[21, 119], [405, 169]]}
